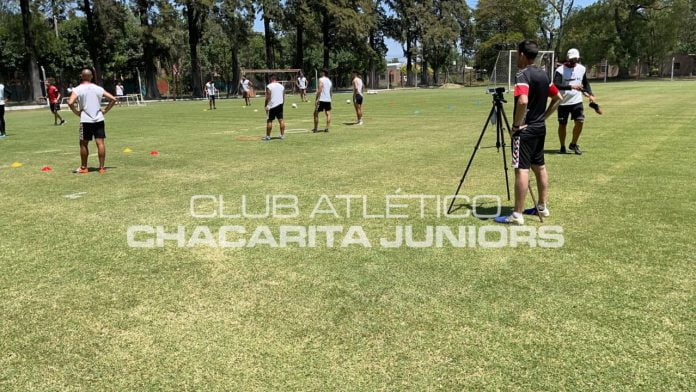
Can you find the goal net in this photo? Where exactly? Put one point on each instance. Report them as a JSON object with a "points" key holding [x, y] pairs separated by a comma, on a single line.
{"points": [[505, 68], [259, 78]]}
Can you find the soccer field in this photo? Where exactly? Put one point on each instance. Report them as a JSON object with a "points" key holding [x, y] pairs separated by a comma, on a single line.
{"points": [[611, 309]]}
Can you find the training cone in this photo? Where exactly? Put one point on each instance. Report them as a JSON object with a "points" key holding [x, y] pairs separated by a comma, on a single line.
{"points": [[15, 165], [46, 169], [127, 150], [154, 152]]}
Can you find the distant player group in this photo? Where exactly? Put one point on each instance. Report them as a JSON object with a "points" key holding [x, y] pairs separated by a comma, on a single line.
{"points": [[275, 99]]}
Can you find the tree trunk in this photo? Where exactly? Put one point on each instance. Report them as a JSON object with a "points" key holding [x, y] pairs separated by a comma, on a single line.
{"points": [[32, 65], [299, 46], [93, 41], [193, 17], [409, 62], [268, 39], [326, 38], [236, 72], [151, 90]]}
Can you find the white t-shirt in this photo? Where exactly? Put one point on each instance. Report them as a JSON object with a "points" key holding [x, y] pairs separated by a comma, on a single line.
{"points": [[325, 95], [359, 85], [245, 85], [210, 86], [571, 76], [89, 97], [302, 82], [119, 90], [2, 94], [276, 90]]}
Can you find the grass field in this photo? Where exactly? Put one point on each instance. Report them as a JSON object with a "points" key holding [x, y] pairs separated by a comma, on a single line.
{"points": [[613, 309]]}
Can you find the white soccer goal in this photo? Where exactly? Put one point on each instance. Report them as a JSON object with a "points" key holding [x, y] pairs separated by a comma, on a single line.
{"points": [[506, 67]]}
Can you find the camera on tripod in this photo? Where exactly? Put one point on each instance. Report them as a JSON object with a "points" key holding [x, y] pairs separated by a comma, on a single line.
{"points": [[497, 92]]}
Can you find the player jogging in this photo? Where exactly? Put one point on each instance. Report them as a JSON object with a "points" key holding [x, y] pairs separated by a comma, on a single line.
{"points": [[571, 80], [211, 92], [54, 97], [275, 97], [2, 110], [358, 97], [302, 86], [88, 96], [246, 90], [532, 89], [323, 103]]}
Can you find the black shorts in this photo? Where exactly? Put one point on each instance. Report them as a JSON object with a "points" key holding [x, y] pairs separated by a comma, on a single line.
{"points": [[275, 113], [245, 94], [324, 106], [211, 97], [358, 99], [576, 112], [89, 131], [527, 149], [55, 107]]}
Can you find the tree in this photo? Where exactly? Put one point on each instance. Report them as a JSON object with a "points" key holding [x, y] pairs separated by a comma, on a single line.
{"points": [[149, 45], [441, 31], [196, 12], [270, 11], [32, 66], [551, 19], [236, 18], [93, 39]]}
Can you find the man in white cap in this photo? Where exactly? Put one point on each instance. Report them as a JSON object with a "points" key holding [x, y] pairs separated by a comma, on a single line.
{"points": [[571, 80]]}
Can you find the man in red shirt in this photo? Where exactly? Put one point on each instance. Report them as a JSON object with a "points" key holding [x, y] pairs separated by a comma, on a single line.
{"points": [[54, 102]]}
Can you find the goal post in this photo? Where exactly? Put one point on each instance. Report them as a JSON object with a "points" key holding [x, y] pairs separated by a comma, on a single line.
{"points": [[506, 67], [286, 77]]}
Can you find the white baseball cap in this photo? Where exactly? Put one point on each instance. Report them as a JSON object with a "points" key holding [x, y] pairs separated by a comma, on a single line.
{"points": [[573, 54]]}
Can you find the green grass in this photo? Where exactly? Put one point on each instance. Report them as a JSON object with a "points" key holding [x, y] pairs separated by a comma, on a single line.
{"points": [[613, 309]]}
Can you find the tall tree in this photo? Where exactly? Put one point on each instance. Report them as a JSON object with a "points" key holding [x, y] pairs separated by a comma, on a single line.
{"points": [[93, 38], [270, 14], [236, 18], [441, 31], [149, 45], [32, 66], [196, 12]]}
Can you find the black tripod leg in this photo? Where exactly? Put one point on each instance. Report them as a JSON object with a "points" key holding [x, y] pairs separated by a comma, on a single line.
{"points": [[501, 134], [471, 159]]}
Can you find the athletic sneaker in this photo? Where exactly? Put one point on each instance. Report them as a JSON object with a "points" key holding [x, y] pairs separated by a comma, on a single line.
{"points": [[360, 122], [3, 135], [575, 148], [326, 130], [533, 211], [597, 109], [563, 150], [315, 130], [82, 170], [510, 220], [62, 122], [266, 138], [102, 170], [282, 137]]}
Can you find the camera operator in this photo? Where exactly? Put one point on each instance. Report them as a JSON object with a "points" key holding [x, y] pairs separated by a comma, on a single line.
{"points": [[532, 89]]}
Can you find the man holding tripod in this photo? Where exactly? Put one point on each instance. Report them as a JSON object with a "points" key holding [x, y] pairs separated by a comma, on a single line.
{"points": [[532, 89]]}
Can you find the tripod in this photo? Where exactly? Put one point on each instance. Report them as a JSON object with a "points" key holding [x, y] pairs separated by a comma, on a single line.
{"points": [[499, 112]]}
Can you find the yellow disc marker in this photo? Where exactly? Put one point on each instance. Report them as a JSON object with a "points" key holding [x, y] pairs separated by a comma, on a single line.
{"points": [[15, 165], [127, 150]]}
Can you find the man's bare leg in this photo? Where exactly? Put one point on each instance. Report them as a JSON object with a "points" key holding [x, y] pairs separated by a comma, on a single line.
{"points": [[101, 151], [84, 152], [269, 128], [282, 127], [316, 120], [521, 188], [562, 134], [577, 130], [328, 119], [542, 179]]}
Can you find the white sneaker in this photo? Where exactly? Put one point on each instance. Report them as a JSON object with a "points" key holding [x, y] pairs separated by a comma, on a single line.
{"points": [[360, 122], [266, 138], [510, 220], [533, 211]]}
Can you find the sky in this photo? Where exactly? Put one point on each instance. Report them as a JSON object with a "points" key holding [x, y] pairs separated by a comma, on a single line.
{"points": [[394, 48]]}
